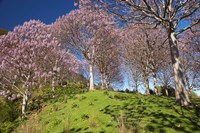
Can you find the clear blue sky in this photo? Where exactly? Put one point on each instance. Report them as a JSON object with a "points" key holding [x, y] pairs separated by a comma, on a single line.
{"points": [[16, 12]]}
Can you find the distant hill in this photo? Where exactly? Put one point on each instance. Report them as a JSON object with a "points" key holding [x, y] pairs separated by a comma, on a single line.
{"points": [[3, 31]]}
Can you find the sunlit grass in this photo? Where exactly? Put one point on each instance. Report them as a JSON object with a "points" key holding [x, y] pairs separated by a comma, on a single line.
{"points": [[98, 112]]}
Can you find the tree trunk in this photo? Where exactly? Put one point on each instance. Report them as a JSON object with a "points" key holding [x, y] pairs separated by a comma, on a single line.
{"points": [[166, 92], [107, 85], [181, 92], [146, 84], [145, 79], [25, 101], [106, 82], [102, 82], [55, 71], [155, 83], [91, 78], [136, 87], [53, 84]]}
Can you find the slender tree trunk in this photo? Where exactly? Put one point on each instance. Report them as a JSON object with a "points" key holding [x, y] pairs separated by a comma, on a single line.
{"points": [[146, 80], [136, 87], [102, 81], [166, 92], [91, 78], [155, 83], [188, 85], [181, 92], [54, 76], [25, 101], [54, 84], [106, 82], [107, 85], [146, 84]]}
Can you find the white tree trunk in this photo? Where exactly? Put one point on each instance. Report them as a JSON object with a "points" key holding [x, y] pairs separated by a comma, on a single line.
{"points": [[53, 84], [106, 82], [107, 85], [155, 83], [55, 71], [166, 92], [102, 81], [146, 84], [91, 78], [145, 79], [181, 92], [25, 101]]}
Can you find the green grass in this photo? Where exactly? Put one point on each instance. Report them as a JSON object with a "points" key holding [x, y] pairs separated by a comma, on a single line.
{"points": [[98, 112]]}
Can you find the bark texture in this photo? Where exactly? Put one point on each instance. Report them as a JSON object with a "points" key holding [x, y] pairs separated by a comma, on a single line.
{"points": [[181, 92]]}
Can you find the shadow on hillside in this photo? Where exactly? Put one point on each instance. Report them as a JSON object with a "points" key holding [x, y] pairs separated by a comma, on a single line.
{"points": [[155, 114]]}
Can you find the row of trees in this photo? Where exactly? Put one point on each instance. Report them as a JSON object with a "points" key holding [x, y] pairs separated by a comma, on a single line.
{"points": [[35, 54], [93, 36], [168, 14]]}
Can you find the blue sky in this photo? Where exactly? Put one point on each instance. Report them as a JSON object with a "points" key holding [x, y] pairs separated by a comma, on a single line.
{"points": [[16, 12]]}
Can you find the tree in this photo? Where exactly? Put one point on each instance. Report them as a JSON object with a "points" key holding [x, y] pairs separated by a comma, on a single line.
{"points": [[166, 13], [107, 59], [165, 76], [190, 56], [77, 31], [23, 58], [136, 53], [144, 50]]}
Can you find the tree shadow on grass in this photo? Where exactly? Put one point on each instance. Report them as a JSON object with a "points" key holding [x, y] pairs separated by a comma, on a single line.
{"points": [[75, 130], [156, 117]]}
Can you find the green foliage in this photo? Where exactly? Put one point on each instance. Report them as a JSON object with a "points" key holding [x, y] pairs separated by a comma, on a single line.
{"points": [[9, 112], [8, 126], [3, 31], [62, 94]]}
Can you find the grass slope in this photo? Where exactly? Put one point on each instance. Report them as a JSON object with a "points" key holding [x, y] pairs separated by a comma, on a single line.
{"points": [[98, 112]]}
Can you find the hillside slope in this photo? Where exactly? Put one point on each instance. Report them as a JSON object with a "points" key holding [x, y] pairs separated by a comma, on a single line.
{"points": [[99, 112]]}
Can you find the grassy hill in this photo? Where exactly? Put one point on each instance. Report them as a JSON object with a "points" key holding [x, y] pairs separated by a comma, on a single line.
{"points": [[112, 112]]}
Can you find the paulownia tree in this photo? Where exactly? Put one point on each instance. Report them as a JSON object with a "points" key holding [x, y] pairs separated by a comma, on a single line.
{"points": [[190, 56], [107, 59], [23, 55], [77, 31], [167, 13], [144, 50]]}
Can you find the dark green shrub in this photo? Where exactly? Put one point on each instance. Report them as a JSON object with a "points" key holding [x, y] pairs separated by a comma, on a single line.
{"points": [[9, 114]]}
